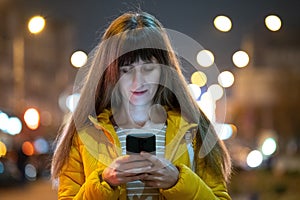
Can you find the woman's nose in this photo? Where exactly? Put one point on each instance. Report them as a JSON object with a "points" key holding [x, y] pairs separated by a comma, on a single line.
{"points": [[138, 78]]}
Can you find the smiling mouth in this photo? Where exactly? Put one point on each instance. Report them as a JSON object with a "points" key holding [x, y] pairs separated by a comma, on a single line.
{"points": [[138, 93]]}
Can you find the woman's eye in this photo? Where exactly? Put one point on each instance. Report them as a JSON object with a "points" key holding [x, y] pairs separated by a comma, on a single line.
{"points": [[125, 69], [149, 67]]}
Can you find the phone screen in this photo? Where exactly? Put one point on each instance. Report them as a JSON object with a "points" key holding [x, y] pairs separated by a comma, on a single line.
{"points": [[137, 142]]}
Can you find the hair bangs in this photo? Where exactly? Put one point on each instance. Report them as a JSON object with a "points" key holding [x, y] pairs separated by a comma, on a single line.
{"points": [[146, 55], [142, 43]]}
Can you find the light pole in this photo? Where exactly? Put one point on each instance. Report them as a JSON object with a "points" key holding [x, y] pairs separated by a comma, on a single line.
{"points": [[18, 63], [35, 25]]}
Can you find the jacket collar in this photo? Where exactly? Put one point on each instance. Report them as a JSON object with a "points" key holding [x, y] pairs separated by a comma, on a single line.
{"points": [[103, 123], [176, 129], [177, 126]]}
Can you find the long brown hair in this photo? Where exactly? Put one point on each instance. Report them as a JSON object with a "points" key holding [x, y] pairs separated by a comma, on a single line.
{"points": [[131, 36]]}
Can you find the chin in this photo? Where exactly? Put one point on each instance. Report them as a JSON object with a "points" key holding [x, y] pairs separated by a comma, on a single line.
{"points": [[139, 103]]}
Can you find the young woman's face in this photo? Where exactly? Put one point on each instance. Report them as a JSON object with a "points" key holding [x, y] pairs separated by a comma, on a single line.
{"points": [[139, 82]]}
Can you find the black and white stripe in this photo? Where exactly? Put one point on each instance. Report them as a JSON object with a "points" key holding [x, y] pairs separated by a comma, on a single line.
{"points": [[137, 189]]}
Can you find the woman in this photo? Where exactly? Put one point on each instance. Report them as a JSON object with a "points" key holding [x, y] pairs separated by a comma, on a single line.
{"points": [[134, 84]]}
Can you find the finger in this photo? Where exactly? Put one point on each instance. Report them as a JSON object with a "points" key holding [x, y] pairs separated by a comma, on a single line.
{"points": [[141, 165], [154, 159], [138, 170], [158, 163], [134, 178], [130, 158], [127, 177], [129, 162], [159, 181]]}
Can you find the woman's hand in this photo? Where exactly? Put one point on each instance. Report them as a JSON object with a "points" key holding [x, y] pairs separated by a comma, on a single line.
{"points": [[163, 174], [125, 169]]}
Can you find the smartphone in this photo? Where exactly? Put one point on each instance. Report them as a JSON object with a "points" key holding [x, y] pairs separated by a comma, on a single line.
{"points": [[137, 142]]}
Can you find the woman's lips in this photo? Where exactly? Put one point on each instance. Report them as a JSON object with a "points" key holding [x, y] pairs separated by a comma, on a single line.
{"points": [[139, 93]]}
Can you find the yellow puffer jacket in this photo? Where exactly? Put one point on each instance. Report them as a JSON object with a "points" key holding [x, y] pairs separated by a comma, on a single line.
{"points": [[96, 146]]}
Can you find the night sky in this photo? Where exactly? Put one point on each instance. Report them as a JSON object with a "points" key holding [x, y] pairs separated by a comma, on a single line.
{"points": [[193, 18]]}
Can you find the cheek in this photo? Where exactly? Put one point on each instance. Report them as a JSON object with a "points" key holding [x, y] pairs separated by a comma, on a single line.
{"points": [[125, 79], [123, 88], [155, 77], [123, 85], [155, 81]]}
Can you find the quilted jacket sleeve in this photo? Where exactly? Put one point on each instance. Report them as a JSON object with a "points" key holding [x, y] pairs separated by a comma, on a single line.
{"points": [[74, 185], [191, 186]]}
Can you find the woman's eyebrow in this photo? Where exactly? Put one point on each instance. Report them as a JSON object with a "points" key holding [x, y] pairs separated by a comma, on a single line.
{"points": [[144, 62]]}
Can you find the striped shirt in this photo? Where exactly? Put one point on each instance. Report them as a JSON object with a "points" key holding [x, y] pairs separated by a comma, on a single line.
{"points": [[137, 189]]}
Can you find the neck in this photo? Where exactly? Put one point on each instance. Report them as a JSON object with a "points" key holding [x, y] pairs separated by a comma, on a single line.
{"points": [[133, 116]]}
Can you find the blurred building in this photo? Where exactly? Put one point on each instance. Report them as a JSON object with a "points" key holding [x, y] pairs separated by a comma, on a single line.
{"points": [[35, 68], [35, 72], [266, 94]]}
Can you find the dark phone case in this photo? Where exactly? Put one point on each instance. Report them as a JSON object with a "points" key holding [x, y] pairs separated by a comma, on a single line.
{"points": [[137, 142]]}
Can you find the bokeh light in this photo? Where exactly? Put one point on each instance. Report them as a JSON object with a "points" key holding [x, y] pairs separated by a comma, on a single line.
{"points": [[273, 22], [1, 168], [36, 24], [254, 159], [207, 105], [205, 58], [226, 79], [224, 131], [198, 78], [195, 90], [216, 91], [72, 100], [46, 118], [79, 59], [3, 149], [30, 172], [3, 121], [32, 118], [14, 126], [62, 100], [27, 148], [234, 130], [223, 23], [41, 146], [269, 146], [240, 59]]}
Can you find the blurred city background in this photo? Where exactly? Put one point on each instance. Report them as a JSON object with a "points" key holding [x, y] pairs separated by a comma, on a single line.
{"points": [[254, 100]]}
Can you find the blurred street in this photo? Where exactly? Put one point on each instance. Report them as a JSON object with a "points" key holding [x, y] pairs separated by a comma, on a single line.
{"points": [[261, 184], [41, 189]]}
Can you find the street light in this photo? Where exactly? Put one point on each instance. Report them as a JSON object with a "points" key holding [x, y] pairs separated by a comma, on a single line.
{"points": [[36, 24]]}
